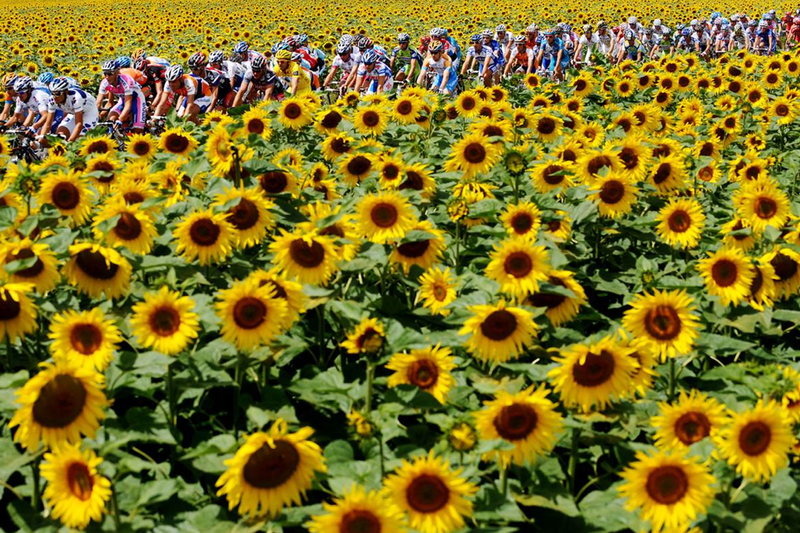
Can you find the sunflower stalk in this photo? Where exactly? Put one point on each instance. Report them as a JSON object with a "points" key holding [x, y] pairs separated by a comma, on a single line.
{"points": [[238, 378], [115, 502], [504, 481], [36, 495], [171, 398], [671, 379], [370, 379], [573, 458]]}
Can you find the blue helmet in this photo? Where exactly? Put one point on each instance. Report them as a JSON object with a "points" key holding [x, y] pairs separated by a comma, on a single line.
{"points": [[715, 15], [124, 61], [110, 66], [686, 32], [46, 78], [23, 84], [369, 57], [475, 38], [241, 48]]}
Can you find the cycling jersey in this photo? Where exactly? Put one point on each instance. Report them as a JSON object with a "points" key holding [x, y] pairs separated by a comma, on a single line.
{"points": [[590, 43], [262, 82], [372, 78], [403, 57], [294, 71], [190, 86], [518, 58], [40, 101], [346, 66], [125, 86], [137, 76], [78, 101], [438, 67]]}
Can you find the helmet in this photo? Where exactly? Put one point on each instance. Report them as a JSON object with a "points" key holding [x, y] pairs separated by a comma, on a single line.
{"points": [[45, 78], [568, 44], [532, 28], [501, 28], [475, 38], [694, 22], [735, 17], [435, 47], [346, 39], [771, 11], [296, 56], [140, 64], [762, 24], [587, 28], [629, 35], [139, 52], [9, 79], [632, 20], [282, 46], [487, 33], [59, 85], [217, 56], [437, 33], [752, 23], [718, 21], [369, 57], [403, 38], [796, 20], [725, 26], [715, 15], [302, 39], [110, 66], [124, 61], [520, 39], [657, 22], [648, 32], [602, 25], [197, 60], [291, 41], [686, 32], [364, 43], [679, 26], [567, 28], [23, 84], [241, 48], [342, 49], [548, 33], [561, 26], [283, 54], [174, 73]]}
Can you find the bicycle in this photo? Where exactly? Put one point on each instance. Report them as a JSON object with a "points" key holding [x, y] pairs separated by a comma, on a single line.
{"points": [[24, 146], [116, 133]]}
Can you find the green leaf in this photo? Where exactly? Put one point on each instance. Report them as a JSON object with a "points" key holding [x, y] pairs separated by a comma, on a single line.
{"points": [[20, 264]]}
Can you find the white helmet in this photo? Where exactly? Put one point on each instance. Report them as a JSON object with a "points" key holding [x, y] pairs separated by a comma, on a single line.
{"points": [[632, 20], [657, 22]]}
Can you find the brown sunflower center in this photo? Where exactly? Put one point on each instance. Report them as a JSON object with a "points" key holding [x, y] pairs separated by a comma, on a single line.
{"points": [[440, 292], [65, 196], [423, 373], [95, 265], [413, 181], [79, 480], [474, 153], [165, 321], [596, 163], [546, 299], [360, 521], [518, 264], [292, 111], [755, 438], [359, 165], [85, 338], [384, 215], [724, 272], [427, 493], [244, 215], [758, 281], [468, 103], [176, 144], [662, 323], [306, 255], [521, 223], [552, 176], [662, 173], [414, 249], [31, 271], [765, 207], [340, 146], [692, 427], [596, 369], [667, 484], [629, 157], [60, 402], [255, 125], [141, 148], [785, 267], [133, 197], [679, 221], [274, 182], [249, 312], [612, 192], [204, 232], [128, 227], [271, 467], [97, 147], [546, 126], [499, 325], [493, 131], [371, 118], [706, 174], [404, 107], [390, 171], [515, 421]]}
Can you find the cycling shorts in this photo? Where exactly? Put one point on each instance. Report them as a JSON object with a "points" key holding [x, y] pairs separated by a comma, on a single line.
{"points": [[452, 81], [90, 119], [138, 109]]}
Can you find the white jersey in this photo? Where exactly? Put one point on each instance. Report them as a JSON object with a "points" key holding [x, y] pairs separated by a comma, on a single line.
{"points": [[40, 102], [77, 101], [346, 66], [505, 43], [589, 43]]}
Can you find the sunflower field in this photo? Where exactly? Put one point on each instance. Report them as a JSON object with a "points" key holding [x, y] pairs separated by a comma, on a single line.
{"points": [[537, 307]]}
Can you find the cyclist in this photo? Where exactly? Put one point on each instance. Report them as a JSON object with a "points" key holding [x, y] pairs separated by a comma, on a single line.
{"points": [[739, 39], [606, 40], [343, 61], [441, 65], [454, 50], [293, 78], [505, 39], [259, 83], [701, 39], [11, 95], [588, 44], [793, 33], [480, 60], [35, 107], [374, 75], [154, 72], [405, 60], [219, 84], [551, 55], [518, 60], [78, 106], [191, 96], [131, 103]]}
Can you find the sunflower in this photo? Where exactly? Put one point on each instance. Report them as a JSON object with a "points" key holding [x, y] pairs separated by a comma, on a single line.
{"points": [[58, 405], [424, 250], [468, 104], [370, 120], [763, 204], [593, 375], [102, 144], [681, 223], [219, 150], [762, 289], [385, 216], [367, 337], [76, 493], [785, 265], [143, 146], [165, 321], [428, 368], [418, 178], [307, 256], [328, 120], [669, 488], [290, 291], [546, 127], [343, 230], [271, 471], [557, 226], [560, 308], [85, 340], [590, 134], [757, 442], [615, 195], [437, 290], [358, 421], [551, 175], [595, 163], [695, 417], [28, 262], [68, 193], [434, 496], [728, 273], [359, 511], [527, 420], [273, 182], [667, 174], [518, 266], [784, 110], [336, 145], [635, 157], [255, 122], [177, 142], [206, 236], [251, 314], [133, 229], [95, 270], [390, 170], [102, 169], [248, 212], [664, 320], [522, 220], [473, 154], [498, 332], [294, 113]]}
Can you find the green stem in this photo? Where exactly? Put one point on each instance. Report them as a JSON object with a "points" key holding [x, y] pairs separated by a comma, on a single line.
{"points": [[504, 481], [115, 502], [35, 497], [573, 459], [238, 377], [671, 379], [458, 242], [370, 378], [380, 451], [321, 333], [171, 397]]}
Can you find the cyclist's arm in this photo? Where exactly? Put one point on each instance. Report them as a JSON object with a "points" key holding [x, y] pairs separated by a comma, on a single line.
{"points": [[422, 72], [329, 77], [465, 66], [381, 81], [76, 132], [359, 82], [243, 88], [268, 92]]}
